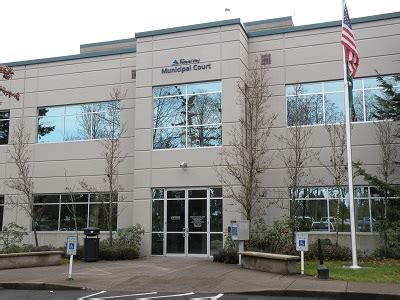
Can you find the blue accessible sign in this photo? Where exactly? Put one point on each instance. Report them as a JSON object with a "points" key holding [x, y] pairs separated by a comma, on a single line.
{"points": [[72, 242], [301, 241]]}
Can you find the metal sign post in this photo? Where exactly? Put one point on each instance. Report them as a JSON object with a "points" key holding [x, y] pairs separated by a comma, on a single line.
{"points": [[72, 242], [302, 245]]}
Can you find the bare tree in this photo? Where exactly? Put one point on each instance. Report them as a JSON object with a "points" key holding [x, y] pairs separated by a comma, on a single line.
{"points": [[247, 158], [295, 143], [337, 168], [72, 203], [385, 134], [21, 155], [113, 158]]}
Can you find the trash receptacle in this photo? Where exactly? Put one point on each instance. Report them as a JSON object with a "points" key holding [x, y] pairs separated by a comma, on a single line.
{"points": [[91, 244]]}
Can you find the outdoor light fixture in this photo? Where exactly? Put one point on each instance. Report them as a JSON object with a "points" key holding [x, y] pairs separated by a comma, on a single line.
{"points": [[183, 164]]}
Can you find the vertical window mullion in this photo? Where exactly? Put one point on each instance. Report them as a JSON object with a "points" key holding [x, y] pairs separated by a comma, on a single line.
{"points": [[323, 103], [363, 97], [59, 212], [186, 121]]}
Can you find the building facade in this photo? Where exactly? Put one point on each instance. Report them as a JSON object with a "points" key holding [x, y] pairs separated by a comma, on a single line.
{"points": [[180, 102]]}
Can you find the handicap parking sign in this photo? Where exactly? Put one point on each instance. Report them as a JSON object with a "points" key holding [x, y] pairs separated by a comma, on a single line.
{"points": [[72, 242], [301, 241]]}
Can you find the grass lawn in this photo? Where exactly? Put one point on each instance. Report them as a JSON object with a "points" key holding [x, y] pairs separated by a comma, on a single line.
{"points": [[387, 270]]}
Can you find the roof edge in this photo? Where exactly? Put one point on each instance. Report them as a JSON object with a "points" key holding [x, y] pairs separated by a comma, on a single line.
{"points": [[360, 20], [188, 28], [267, 21], [70, 57], [108, 43]]}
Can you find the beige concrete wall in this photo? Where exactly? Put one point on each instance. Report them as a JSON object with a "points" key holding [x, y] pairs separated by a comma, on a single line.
{"points": [[62, 83]]}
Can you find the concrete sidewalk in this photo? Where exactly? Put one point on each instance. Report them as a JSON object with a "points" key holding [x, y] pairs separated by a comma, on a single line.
{"points": [[173, 274]]}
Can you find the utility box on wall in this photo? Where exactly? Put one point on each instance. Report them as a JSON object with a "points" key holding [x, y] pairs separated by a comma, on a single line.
{"points": [[240, 230]]}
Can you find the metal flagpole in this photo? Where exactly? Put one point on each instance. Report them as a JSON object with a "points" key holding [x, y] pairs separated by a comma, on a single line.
{"points": [[349, 158]]}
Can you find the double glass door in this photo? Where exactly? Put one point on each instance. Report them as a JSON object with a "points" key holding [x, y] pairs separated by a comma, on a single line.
{"points": [[187, 222]]}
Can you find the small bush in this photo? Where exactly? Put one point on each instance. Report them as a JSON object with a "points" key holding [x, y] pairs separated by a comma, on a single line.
{"points": [[117, 252], [229, 254], [275, 238], [329, 251], [390, 236], [130, 236], [226, 256], [11, 235]]}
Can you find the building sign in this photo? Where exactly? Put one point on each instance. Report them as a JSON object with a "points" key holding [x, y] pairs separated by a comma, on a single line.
{"points": [[197, 221], [186, 65], [175, 218]]}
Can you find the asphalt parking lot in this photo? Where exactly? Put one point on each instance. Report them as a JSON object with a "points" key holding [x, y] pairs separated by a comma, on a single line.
{"points": [[6, 294]]}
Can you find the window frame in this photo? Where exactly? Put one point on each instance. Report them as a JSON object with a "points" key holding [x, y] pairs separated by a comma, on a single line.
{"points": [[64, 115], [186, 126], [60, 204], [328, 198], [6, 120], [363, 89]]}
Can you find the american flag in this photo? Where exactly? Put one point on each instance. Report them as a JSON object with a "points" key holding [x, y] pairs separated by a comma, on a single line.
{"points": [[349, 44]]}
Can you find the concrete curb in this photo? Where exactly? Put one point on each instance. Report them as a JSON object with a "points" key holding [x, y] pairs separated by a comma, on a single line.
{"points": [[37, 286], [276, 293], [325, 294]]}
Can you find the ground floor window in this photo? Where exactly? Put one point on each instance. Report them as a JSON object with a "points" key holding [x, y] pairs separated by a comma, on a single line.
{"points": [[1, 212], [325, 208], [187, 221], [65, 212]]}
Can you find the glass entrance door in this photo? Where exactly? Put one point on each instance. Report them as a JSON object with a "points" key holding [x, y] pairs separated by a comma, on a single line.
{"points": [[187, 222], [197, 222], [176, 222]]}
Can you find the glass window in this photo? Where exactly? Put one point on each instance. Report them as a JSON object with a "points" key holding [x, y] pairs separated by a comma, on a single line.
{"points": [[202, 136], [157, 242], [333, 86], [1, 212], [202, 88], [312, 88], [98, 215], [61, 212], [309, 104], [158, 215], [216, 215], [4, 127], [313, 213], [77, 122], [216, 243], [173, 90], [358, 104], [187, 116], [157, 193], [169, 112], [167, 138], [334, 108], [215, 192], [47, 219], [305, 110]]}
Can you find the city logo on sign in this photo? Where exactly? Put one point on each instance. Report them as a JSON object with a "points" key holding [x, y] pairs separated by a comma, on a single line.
{"points": [[183, 65]]}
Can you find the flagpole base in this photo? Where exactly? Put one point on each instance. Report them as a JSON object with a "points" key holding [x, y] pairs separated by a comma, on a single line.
{"points": [[355, 267]]}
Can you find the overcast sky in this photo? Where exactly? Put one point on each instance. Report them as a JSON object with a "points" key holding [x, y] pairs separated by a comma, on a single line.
{"points": [[46, 28]]}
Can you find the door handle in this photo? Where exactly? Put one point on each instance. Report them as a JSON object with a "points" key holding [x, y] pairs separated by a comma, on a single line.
{"points": [[185, 232]]}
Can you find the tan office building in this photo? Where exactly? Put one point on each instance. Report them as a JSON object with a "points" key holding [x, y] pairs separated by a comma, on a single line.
{"points": [[171, 146]]}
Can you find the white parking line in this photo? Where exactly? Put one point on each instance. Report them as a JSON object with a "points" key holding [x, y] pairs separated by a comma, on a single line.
{"points": [[211, 297], [167, 296], [122, 296], [95, 294]]}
